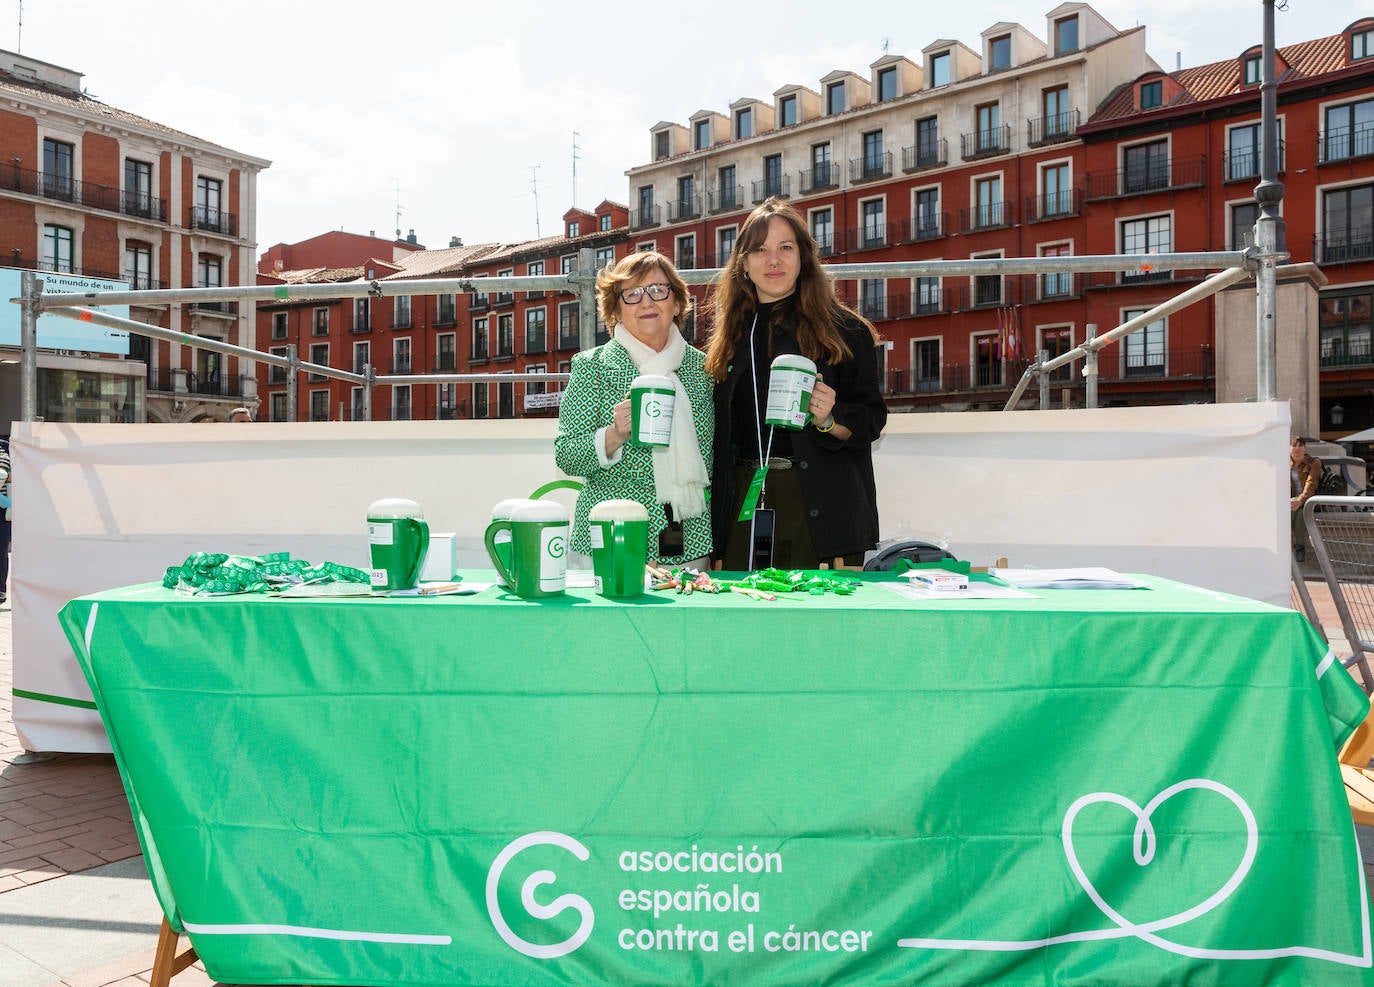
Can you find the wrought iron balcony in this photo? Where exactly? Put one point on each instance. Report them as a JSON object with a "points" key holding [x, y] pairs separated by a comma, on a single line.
{"points": [[925, 154], [1345, 143], [480, 302], [828, 244], [931, 301], [870, 236], [1344, 247], [1244, 162], [402, 365], [1346, 351], [989, 216], [504, 299], [766, 188], [641, 219], [1141, 362], [929, 226], [1053, 287], [91, 194], [684, 209], [725, 198], [213, 220], [1054, 205], [818, 177], [536, 340], [1156, 175], [986, 143], [568, 338], [1052, 129], [870, 167], [877, 308], [443, 362], [988, 291]]}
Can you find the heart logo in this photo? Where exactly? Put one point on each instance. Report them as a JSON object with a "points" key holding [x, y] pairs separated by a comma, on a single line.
{"points": [[1143, 850]]}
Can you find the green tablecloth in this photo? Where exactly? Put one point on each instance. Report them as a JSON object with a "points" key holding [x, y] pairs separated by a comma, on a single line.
{"points": [[1089, 787]]}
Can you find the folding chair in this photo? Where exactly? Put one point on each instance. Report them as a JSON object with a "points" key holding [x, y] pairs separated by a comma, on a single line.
{"points": [[1342, 533], [167, 962], [1355, 772]]}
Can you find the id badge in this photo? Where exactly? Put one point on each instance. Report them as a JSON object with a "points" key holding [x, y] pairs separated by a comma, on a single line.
{"points": [[751, 496]]}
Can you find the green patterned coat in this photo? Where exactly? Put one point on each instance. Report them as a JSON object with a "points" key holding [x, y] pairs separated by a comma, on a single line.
{"points": [[600, 379]]}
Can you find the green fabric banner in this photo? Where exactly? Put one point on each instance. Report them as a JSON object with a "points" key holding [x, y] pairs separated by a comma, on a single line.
{"points": [[1087, 787]]}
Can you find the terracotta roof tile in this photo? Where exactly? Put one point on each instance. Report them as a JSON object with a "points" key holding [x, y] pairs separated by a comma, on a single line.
{"points": [[1216, 80]]}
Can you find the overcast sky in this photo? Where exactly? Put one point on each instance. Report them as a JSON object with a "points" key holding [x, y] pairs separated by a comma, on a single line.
{"points": [[464, 113]]}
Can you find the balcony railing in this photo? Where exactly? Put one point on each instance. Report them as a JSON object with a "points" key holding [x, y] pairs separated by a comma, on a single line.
{"points": [[925, 154], [96, 196], [1054, 205], [989, 216], [479, 302], [1052, 287], [221, 308], [1138, 363], [1244, 162], [445, 362], [986, 143], [642, 219], [402, 365], [1156, 175], [877, 308], [1345, 247], [568, 338], [504, 299], [931, 301], [725, 198], [536, 339], [870, 167], [925, 227], [1179, 366], [1346, 351], [988, 291], [767, 188], [684, 209], [1345, 143], [817, 177], [829, 244], [215, 385], [870, 236], [213, 220], [1052, 129]]}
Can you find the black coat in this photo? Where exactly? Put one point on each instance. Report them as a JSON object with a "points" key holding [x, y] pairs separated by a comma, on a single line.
{"points": [[836, 476]]}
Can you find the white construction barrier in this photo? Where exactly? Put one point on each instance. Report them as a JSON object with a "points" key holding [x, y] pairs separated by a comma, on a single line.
{"points": [[1196, 493]]}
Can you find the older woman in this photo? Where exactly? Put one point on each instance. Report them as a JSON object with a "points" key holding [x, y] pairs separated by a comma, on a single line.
{"points": [[814, 488], [644, 298]]}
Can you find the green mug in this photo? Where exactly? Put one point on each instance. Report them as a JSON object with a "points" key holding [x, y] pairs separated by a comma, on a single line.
{"points": [[501, 512], [397, 539], [651, 410], [538, 560], [619, 533]]}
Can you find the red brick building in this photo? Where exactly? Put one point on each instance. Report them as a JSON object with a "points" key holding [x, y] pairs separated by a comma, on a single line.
{"points": [[493, 332], [94, 191]]}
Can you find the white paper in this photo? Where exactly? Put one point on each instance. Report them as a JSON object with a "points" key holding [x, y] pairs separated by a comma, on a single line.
{"points": [[975, 591], [1089, 577]]}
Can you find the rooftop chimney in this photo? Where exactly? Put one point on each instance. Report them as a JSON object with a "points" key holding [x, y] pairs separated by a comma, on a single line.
{"points": [[455, 241]]}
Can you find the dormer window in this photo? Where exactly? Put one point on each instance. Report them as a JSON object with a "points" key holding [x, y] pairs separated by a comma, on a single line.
{"points": [[1362, 44], [660, 145], [1066, 35], [834, 98], [701, 135], [744, 124], [887, 84], [605, 221], [787, 111], [1151, 94], [574, 228], [1252, 71], [939, 70], [999, 53]]}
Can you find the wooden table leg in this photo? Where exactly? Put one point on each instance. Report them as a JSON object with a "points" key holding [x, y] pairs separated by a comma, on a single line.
{"points": [[167, 963]]}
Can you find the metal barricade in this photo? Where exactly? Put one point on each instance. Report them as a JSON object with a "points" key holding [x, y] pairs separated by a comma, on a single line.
{"points": [[1342, 533]]}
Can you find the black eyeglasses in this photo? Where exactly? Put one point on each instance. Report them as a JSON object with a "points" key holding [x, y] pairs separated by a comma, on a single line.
{"points": [[657, 291]]}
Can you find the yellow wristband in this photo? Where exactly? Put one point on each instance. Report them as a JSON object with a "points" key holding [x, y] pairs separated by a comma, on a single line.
{"points": [[825, 428]]}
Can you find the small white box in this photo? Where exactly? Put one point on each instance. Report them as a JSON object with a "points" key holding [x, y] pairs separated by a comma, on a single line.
{"points": [[441, 559], [938, 579]]}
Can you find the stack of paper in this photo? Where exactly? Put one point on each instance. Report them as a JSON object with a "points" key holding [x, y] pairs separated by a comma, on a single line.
{"points": [[1092, 577]]}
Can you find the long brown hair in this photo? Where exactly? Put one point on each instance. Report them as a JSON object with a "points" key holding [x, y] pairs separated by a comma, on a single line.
{"points": [[735, 297]]}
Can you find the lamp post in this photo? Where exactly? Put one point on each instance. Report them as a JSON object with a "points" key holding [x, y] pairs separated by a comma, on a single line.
{"points": [[1269, 227]]}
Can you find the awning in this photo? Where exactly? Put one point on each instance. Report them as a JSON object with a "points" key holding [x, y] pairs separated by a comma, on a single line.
{"points": [[1366, 436]]}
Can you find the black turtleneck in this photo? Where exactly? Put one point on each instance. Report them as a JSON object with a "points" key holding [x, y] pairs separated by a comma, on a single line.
{"points": [[748, 413]]}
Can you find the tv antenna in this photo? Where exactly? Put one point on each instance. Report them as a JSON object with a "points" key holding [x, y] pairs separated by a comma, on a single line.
{"points": [[534, 188], [19, 42], [887, 44], [575, 149], [397, 186]]}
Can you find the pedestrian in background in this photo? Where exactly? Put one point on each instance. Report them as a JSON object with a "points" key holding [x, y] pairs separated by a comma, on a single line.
{"points": [[4, 516], [1305, 472]]}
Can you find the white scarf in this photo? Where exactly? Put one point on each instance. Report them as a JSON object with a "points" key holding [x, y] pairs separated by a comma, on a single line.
{"points": [[680, 477]]}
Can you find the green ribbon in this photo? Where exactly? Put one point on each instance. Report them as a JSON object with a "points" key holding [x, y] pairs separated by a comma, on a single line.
{"points": [[794, 581], [219, 573]]}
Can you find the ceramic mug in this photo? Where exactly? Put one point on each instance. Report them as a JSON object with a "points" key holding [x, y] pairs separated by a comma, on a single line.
{"points": [[651, 410], [619, 533], [397, 539], [538, 560], [790, 383]]}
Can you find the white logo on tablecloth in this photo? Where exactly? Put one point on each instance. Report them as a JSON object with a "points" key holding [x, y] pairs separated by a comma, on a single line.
{"points": [[535, 881], [1144, 853]]}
